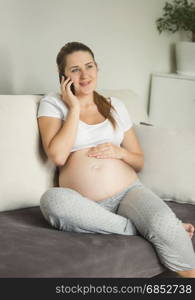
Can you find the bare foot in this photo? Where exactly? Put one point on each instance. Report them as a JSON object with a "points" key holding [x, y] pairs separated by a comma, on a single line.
{"points": [[189, 228]]}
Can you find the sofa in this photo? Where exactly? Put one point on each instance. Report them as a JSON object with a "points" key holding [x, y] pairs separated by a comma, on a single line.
{"points": [[31, 248]]}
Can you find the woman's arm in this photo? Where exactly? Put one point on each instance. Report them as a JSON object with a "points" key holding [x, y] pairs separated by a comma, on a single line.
{"points": [[131, 150], [62, 143], [58, 140]]}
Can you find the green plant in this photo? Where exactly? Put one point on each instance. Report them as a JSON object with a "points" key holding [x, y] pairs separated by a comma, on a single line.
{"points": [[178, 15]]}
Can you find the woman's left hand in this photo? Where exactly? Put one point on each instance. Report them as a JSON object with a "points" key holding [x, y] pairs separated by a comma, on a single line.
{"points": [[106, 150]]}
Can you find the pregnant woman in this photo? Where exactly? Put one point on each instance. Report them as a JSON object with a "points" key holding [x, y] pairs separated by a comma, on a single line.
{"points": [[92, 141]]}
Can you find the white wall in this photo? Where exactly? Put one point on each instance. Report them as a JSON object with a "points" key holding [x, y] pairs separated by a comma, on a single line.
{"points": [[121, 33]]}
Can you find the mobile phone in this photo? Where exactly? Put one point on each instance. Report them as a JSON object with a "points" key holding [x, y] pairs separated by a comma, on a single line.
{"points": [[72, 85]]}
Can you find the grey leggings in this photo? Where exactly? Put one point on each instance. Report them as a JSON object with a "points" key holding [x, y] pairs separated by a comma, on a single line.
{"points": [[136, 210]]}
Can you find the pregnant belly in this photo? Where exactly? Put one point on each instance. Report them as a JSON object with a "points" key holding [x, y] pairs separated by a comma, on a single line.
{"points": [[95, 178]]}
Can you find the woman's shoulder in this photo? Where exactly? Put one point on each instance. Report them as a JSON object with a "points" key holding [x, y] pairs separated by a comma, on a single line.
{"points": [[117, 103], [115, 100], [52, 104], [122, 113], [53, 97], [56, 99]]}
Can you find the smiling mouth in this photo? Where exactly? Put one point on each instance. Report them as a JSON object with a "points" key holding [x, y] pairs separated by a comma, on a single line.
{"points": [[85, 83]]}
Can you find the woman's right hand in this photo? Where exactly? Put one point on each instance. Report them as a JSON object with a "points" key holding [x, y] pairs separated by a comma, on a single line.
{"points": [[67, 96]]}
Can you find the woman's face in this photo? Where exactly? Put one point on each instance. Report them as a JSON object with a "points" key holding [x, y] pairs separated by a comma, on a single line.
{"points": [[81, 68]]}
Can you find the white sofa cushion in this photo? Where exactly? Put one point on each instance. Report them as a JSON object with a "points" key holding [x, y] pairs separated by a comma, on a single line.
{"points": [[25, 170], [169, 168]]}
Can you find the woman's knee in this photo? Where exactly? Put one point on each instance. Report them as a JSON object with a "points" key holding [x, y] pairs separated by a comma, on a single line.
{"points": [[162, 225], [151, 215], [57, 195], [58, 206], [58, 203]]}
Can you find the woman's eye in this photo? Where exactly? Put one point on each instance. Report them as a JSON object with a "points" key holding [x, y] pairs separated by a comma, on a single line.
{"points": [[76, 70]]}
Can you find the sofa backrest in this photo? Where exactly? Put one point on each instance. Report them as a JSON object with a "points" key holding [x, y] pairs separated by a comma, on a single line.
{"points": [[25, 170]]}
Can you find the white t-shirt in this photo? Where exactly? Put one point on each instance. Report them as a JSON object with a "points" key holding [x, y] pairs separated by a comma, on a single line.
{"points": [[51, 105]]}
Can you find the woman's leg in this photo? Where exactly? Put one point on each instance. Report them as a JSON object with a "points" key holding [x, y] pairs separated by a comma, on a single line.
{"points": [[157, 223], [66, 209]]}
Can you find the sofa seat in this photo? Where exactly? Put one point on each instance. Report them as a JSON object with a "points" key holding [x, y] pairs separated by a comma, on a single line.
{"points": [[30, 247]]}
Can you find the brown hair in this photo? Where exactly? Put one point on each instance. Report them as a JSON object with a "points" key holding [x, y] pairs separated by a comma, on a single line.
{"points": [[104, 106]]}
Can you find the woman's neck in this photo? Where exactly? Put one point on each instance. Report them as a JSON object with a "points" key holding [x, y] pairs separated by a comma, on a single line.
{"points": [[86, 100]]}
